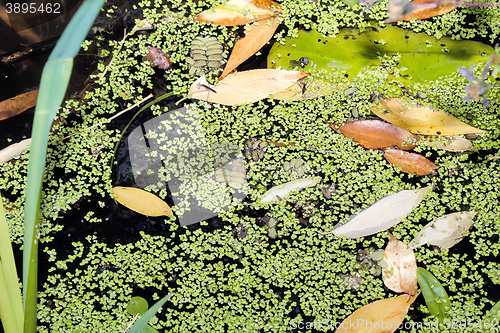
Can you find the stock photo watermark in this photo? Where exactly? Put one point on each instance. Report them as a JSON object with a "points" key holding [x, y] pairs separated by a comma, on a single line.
{"points": [[407, 325]]}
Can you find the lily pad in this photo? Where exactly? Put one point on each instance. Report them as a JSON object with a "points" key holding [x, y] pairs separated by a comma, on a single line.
{"points": [[137, 305], [424, 57]]}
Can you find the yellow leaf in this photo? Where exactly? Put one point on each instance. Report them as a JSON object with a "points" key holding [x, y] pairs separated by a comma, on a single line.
{"points": [[383, 316], [400, 275], [245, 87], [141, 201], [421, 119], [452, 143], [259, 34], [238, 12]]}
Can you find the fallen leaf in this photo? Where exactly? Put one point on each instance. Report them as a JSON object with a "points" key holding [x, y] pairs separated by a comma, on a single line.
{"points": [[283, 190], [443, 7], [157, 57], [13, 150], [307, 88], [383, 316], [382, 215], [421, 119], [244, 87], [410, 162], [258, 35], [141, 201], [424, 57], [452, 143], [400, 275], [445, 231], [376, 134], [239, 12], [16, 105]]}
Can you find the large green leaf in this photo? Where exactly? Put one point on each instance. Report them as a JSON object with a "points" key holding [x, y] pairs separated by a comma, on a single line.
{"points": [[425, 57]]}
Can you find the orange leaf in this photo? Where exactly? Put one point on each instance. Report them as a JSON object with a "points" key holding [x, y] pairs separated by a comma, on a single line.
{"points": [[259, 34], [16, 105], [443, 7], [421, 119], [400, 275], [377, 134], [239, 12], [409, 162], [383, 316]]}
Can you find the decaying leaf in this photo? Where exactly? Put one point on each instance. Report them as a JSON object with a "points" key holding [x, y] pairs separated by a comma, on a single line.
{"points": [[141, 201], [16, 105], [410, 162], [400, 275], [383, 316], [281, 191], [307, 88], [258, 35], [421, 119], [13, 150], [451, 143], [382, 215], [244, 87], [445, 231], [442, 7], [377, 134], [239, 12]]}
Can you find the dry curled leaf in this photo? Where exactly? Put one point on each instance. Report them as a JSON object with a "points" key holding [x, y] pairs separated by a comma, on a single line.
{"points": [[382, 215], [141, 201], [258, 35], [377, 134], [281, 191], [442, 7], [452, 143], [400, 275], [16, 105], [410, 162], [239, 12], [421, 119], [244, 87], [383, 316], [445, 231], [14, 150]]}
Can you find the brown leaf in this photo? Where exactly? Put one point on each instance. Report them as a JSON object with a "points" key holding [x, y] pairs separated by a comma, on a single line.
{"points": [[16, 105], [259, 34], [383, 316], [239, 12], [400, 275], [421, 119], [377, 134], [443, 7], [245, 87], [410, 162]]}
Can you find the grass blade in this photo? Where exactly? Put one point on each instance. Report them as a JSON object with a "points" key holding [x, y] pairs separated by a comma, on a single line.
{"points": [[146, 317], [11, 308], [53, 85]]}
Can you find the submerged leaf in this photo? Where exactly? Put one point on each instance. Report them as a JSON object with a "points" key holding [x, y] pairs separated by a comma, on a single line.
{"points": [[310, 87], [142, 202], [382, 215], [383, 316], [16, 105], [239, 12], [421, 119], [245, 87], [257, 36], [377, 134], [410, 162], [424, 57], [452, 143], [445, 231], [400, 275], [281, 191]]}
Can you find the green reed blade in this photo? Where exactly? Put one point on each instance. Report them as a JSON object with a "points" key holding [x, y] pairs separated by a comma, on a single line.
{"points": [[146, 317]]}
